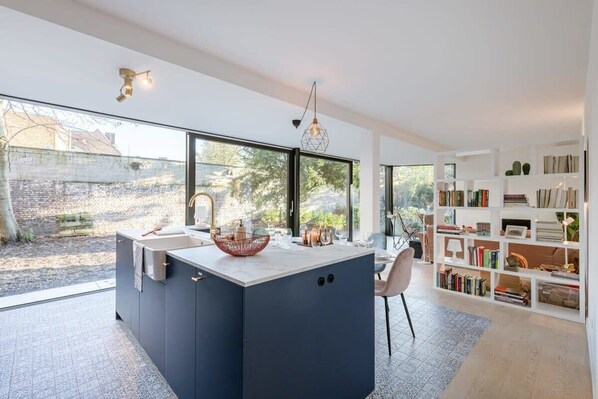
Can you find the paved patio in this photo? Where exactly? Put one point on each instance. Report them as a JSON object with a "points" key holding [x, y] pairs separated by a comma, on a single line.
{"points": [[55, 262]]}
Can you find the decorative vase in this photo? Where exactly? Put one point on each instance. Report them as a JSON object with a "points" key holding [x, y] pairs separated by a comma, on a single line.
{"points": [[526, 167], [509, 173], [516, 168]]}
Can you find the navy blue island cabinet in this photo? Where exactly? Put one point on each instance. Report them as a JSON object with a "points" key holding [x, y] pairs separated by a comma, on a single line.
{"points": [[307, 335]]}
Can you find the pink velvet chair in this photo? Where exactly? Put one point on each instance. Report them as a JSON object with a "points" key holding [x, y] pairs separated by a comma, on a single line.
{"points": [[397, 282]]}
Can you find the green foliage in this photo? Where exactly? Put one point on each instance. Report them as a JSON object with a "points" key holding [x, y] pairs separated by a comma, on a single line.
{"points": [[213, 152], [318, 217], [573, 227], [413, 186], [317, 173], [27, 236]]}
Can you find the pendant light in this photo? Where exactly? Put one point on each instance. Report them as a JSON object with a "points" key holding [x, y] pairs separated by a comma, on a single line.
{"points": [[315, 137]]}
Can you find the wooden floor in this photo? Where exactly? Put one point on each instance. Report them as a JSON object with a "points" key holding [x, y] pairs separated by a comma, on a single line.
{"points": [[521, 354]]}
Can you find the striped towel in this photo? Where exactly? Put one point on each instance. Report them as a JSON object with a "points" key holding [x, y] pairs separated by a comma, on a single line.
{"points": [[138, 265]]}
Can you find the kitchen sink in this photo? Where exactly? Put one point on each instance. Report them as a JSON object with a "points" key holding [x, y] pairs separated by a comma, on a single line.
{"points": [[155, 252]]}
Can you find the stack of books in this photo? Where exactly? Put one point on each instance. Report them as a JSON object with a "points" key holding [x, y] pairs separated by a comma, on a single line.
{"points": [[449, 229], [549, 231], [515, 200], [483, 229], [561, 164], [466, 284], [451, 198], [478, 198], [483, 257], [511, 295], [557, 198]]}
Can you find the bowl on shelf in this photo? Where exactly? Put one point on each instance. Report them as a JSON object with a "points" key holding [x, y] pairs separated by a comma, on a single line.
{"points": [[251, 245]]}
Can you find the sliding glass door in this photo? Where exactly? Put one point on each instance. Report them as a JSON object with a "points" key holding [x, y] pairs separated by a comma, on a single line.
{"points": [[266, 186], [247, 182], [325, 192]]}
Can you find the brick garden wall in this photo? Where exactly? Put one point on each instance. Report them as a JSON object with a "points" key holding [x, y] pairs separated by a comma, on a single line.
{"points": [[119, 192]]}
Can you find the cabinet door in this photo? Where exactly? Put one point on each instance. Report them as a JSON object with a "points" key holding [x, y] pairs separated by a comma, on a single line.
{"points": [[219, 338], [152, 319], [305, 338], [346, 337], [180, 328], [127, 297]]}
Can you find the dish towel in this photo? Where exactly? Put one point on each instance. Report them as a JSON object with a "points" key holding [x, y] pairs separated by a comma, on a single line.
{"points": [[138, 265]]}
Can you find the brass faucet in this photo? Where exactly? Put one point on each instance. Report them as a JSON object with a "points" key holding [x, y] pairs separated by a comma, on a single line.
{"points": [[213, 229]]}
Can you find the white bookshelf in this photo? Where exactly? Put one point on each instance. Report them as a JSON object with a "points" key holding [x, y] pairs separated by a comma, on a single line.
{"points": [[485, 169]]}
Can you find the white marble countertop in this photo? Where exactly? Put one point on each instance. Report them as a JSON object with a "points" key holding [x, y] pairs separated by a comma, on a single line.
{"points": [[270, 264], [135, 234]]}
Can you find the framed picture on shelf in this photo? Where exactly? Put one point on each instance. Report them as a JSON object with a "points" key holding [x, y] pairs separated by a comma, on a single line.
{"points": [[516, 232]]}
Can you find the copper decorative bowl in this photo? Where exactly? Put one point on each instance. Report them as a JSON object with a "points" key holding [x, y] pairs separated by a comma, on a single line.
{"points": [[251, 245]]}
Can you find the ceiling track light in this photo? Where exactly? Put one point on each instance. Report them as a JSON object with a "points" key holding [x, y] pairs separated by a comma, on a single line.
{"points": [[315, 137], [128, 76]]}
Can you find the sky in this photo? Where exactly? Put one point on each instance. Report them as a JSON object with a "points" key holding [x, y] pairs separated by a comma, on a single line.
{"points": [[149, 141], [132, 139]]}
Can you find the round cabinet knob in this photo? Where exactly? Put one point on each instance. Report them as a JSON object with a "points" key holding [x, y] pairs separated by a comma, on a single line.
{"points": [[321, 281], [330, 278]]}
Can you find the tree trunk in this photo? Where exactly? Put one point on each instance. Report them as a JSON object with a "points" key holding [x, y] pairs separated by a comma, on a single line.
{"points": [[9, 229]]}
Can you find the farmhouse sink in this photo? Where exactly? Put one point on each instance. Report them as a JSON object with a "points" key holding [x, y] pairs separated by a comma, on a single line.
{"points": [[155, 252]]}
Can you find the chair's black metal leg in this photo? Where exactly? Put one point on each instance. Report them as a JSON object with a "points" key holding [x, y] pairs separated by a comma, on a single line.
{"points": [[387, 325], [379, 276], [408, 317]]}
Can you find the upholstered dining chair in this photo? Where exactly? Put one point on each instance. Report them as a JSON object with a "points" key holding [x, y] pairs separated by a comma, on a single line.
{"points": [[397, 282], [379, 241]]}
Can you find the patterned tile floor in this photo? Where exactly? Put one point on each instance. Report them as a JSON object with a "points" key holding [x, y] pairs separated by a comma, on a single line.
{"points": [[74, 348]]}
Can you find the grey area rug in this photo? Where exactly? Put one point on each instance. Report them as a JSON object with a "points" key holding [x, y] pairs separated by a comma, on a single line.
{"points": [[422, 367], [74, 348]]}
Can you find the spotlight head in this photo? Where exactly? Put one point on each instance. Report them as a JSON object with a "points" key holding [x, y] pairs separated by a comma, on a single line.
{"points": [[121, 98], [296, 122], [147, 81]]}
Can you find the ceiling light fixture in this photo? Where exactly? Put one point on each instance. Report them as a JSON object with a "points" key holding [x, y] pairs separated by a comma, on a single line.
{"points": [[315, 137], [128, 76]]}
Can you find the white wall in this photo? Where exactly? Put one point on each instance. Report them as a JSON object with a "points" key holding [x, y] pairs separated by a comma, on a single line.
{"points": [[591, 130]]}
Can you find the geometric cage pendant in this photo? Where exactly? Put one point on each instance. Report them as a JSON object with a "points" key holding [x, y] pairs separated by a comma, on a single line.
{"points": [[315, 138]]}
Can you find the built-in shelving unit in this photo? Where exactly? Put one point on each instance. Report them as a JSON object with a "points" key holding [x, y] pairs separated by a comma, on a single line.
{"points": [[485, 170]]}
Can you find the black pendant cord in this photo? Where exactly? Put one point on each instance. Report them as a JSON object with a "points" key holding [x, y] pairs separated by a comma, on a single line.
{"points": [[297, 122], [315, 88]]}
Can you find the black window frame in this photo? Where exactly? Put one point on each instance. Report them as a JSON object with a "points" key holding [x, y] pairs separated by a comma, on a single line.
{"points": [[348, 184]]}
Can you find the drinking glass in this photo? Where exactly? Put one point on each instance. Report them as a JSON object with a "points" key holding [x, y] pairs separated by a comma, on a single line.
{"points": [[341, 235], [368, 238], [324, 236], [287, 234]]}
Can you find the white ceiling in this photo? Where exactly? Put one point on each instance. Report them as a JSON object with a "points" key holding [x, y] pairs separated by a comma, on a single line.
{"points": [[53, 64], [464, 73]]}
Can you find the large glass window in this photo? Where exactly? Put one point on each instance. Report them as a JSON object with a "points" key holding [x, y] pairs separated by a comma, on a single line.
{"points": [[383, 198], [413, 191], [74, 179], [247, 183], [324, 187]]}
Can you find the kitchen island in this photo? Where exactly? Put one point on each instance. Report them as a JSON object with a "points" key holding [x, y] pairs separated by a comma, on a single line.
{"points": [[285, 323]]}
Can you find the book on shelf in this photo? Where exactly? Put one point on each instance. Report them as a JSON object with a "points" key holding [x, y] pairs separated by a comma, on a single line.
{"points": [[450, 229], [561, 164], [557, 198], [466, 283], [451, 198], [549, 231], [483, 229], [515, 200], [483, 257], [511, 295], [478, 198]]}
